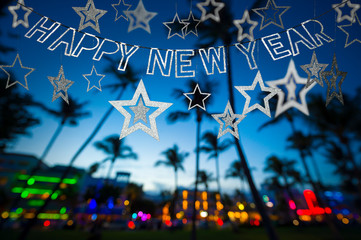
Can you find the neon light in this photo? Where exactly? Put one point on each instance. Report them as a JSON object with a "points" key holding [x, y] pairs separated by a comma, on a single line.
{"points": [[24, 194], [31, 190], [19, 210], [62, 210], [134, 215], [220, 222], [313, 207], [47, 223], [46, 179], [131, 225], [292, 204]]}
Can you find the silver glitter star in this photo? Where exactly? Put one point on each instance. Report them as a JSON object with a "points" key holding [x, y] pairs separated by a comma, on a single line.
{"points": [[140, 111], [289, 81], [229, 119], [331, 84], [120, 8], [61, 86], [238, 23], [272, 92], [198, 99], [354, 33], [89, 14], [191, 24], [341, 17], [271, 14], [94, 81], [139, 18], [18, 63], [176, 27], [17, 21], [140, 92], [217, 7], [314, 69]]}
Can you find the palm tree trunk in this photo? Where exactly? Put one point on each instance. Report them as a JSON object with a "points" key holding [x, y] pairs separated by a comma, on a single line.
{"points": [[110, 169], [317, 170], [194, 214], [354, 165], [175, 196], [218, 177], [23, 235], [259, 203], [52, 140]]}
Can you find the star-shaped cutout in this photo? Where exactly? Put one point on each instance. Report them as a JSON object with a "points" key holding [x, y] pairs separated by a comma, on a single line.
{"points": [[88, 15], [271, 14], [228, 121], [340, 16], [19, 66], [139, 112], [94, 80], [176, 27], [61, 86], [239, 23], [191, 24], [198, 98], [289, 81], [139, 18], [352, 32], [216, 7], [314, 71], [257, 80], [331, 83], [120, 8], [13, 10]]}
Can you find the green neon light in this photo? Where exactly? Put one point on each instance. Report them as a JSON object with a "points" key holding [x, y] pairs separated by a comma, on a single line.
{"points": [[31, 181], [54, 196], [19, 210], [47, 179], [35, 202], [54, 216], [24, 194], [33, 190], [62, 210]]}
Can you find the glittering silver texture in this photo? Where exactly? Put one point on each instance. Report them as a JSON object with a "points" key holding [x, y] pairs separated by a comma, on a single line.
{"points": [[198, 100], [289, 81], [94, 83], [120, 8], [17, 21], [229, 119], [239, 22], [140, 92], [191, 24], [210, 15], [340, 16], [139, 18], [331, 83], [140, 112], [11, 82], [60, 85], [271, 14], [315, 70], [353, 33], [272, 92], [176, 27], [89, 14]]}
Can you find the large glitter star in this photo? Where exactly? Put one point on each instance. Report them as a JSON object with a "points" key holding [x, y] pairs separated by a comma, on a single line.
{"points": [[89, 14], [257, 80], [314, 69], [13, 10], [10, 82], [176, 27], [191, 24], [245, 19], [289, 81], [354, 33], [61, 86], [215, 6], [94, 80], [340, 16], [271, 14], [140, 111], [140, 93], [228, 121], [139, 18], [198, 98], [120, 8], [331, 84]]}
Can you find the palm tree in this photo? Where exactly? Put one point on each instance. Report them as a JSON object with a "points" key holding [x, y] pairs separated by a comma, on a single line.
{"points": [[68, 114], [235, 170], [174, 159], [210, 32], [214, 147], [204, 178], [115, 149]]}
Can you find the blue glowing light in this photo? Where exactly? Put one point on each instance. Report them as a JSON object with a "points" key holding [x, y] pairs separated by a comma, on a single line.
{"points": [[134, 215]]}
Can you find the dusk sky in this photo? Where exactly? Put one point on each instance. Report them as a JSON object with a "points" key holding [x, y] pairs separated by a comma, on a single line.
{"points": [[258, 145]]}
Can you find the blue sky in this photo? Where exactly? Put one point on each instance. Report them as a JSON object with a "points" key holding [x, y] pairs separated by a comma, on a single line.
{"points": [[257, 145]]}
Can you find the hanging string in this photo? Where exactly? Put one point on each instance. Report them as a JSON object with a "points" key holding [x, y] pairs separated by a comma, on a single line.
{"points": [[165, 49]]}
